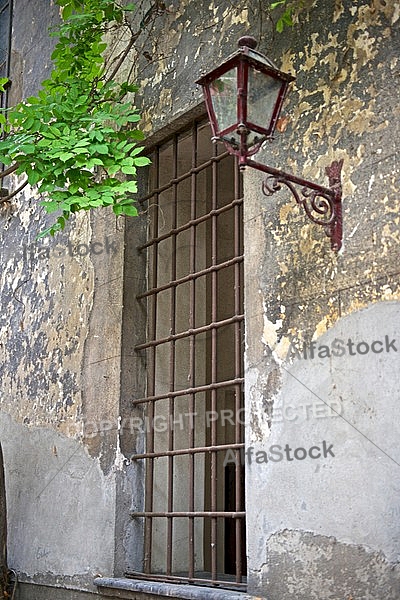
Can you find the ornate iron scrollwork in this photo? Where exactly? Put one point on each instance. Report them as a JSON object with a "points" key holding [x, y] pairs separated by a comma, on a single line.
{"points": [[322, 205], [318, 206]]}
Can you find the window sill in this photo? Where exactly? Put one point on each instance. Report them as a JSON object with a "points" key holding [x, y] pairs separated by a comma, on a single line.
{"points": [[136, 589]]}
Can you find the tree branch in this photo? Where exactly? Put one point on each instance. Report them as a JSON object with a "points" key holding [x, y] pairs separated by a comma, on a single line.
{"points": [[9, 196], [155, 10], [9, 171]]}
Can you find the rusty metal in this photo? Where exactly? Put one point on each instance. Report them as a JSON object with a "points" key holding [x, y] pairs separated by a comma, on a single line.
{"points": [[204, 514], [322, 205], [198, 395], [191, 277], [189, 332], [214, 318], [192, 353], [186, 391], [235, 135], [194, 221], [151, 374], [6, 15], [239, 501], [191, 450], [193, 171], [172, 359]]}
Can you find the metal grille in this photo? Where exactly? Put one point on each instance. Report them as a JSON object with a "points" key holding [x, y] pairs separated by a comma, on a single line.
{"points": [[194, 493]]}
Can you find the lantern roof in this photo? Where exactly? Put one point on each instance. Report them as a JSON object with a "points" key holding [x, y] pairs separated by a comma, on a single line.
{"points": [[247, 52]]}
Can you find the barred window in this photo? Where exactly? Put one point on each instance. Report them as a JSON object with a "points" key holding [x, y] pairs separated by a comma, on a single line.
{"points": [[194, 519]]}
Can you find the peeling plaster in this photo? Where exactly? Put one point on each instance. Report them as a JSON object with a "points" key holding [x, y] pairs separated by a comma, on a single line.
{"points": [[339, 10], [37, 390], [295, 287], [362, 569], [168, 85]]}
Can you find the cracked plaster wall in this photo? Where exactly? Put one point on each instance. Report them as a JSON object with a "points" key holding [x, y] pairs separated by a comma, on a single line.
{"points": [[309, 526], [328, 528], [58, 372], [60, 368], [309, 532]]}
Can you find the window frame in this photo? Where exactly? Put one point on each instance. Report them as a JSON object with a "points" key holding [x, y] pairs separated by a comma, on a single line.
{"points": [[149, 454]]}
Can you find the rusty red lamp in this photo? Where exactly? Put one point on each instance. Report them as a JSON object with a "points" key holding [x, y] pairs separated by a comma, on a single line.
{"points": [[244, 97]]}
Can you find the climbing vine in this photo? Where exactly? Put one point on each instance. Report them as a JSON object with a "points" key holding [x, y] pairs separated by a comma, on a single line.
{"points": [[291, 10], [285, 20], [78, 137]]}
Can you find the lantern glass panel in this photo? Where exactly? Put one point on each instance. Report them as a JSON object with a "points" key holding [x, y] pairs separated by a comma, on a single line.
{"points": [[263, 92], [224, 99]]}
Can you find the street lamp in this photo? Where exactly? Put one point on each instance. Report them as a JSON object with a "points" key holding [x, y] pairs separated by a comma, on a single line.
{"points": [[244, 97]]}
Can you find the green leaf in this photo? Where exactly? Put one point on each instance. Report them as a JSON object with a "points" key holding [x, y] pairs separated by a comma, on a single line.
{"points": [[128, 170], [287, 19], [64, 156], [137, 150], [113, 169], [83, 142], [132, 118], [96, 203], [79, 150], [129, 186], [130, 211], [77, 121], [118, 209], [126, 202], [100, 148], [276, 4], [126, 87], [99, 136], [101, 47], [136, 134], [48, 134], [32, 100], [50, 206], [66, 12], [28, 148], [74, 187], [93, 162], [3, 83], [142, 161], [29, 123], [34, 177]]}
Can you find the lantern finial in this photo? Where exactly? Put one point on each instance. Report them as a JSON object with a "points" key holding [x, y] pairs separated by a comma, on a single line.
{"points": [[249, 41]]}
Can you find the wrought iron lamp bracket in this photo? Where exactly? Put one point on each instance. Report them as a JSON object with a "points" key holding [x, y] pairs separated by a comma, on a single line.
{"points": [[322, 205]]}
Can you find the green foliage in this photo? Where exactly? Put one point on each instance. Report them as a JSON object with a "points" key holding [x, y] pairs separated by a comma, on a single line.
{"points": [[291, 12], [285, 20], [77, 138]]}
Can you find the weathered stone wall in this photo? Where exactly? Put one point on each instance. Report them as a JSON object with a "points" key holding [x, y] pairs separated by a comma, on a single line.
{"points": [[60, 348], [326, 526], [323, 527]]}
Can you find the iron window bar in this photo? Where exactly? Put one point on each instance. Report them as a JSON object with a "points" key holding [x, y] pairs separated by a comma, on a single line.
{"points": [[216, 515]]}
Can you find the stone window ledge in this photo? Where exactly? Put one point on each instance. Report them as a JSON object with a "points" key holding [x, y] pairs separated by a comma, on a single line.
{"points": [[136, 589]]}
